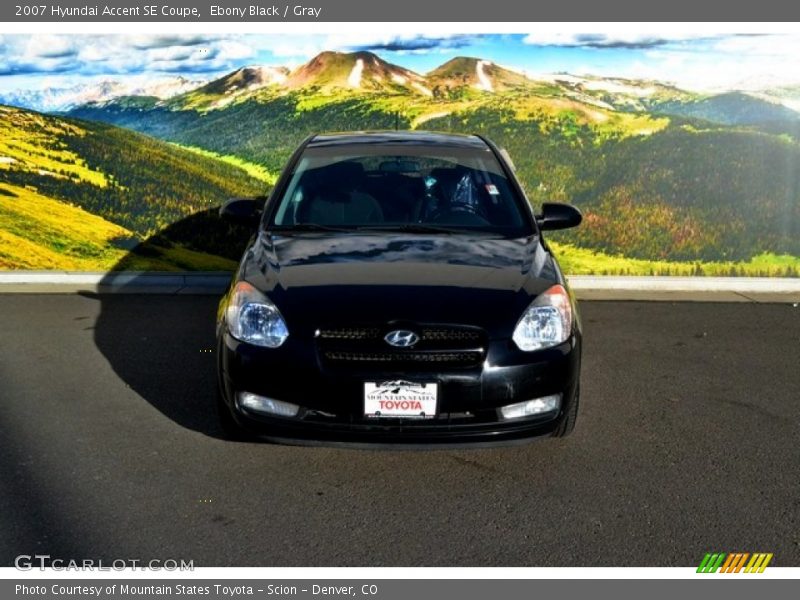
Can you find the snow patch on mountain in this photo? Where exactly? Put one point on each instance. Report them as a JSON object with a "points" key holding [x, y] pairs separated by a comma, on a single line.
{"points": [[421, 88], [610, 85], [255, 77], [354, 79], [484, 82]]}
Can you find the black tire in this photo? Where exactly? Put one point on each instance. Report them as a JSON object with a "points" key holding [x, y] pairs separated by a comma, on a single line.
{"points": [[231, 430], [568, 424]]}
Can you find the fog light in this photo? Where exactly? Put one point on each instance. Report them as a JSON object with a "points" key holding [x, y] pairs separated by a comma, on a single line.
{"points": [[262, 404], [529, 408]]}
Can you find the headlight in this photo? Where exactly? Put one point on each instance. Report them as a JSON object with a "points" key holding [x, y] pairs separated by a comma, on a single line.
{"points": [[252, 318], [547, 321]]}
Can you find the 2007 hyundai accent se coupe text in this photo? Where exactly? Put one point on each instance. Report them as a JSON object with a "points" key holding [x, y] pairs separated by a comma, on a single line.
{"points": [[398, 290]]}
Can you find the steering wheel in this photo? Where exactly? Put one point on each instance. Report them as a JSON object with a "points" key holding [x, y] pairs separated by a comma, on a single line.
{"points": [[458, 215]]}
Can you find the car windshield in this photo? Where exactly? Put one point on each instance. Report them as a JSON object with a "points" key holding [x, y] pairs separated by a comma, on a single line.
{"points": [[416, 189]]}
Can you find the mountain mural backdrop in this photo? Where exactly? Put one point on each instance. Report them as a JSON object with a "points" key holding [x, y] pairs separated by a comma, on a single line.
{"points": [[670, 181]]}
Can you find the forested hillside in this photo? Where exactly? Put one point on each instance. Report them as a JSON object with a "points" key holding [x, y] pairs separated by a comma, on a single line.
{"points": [[110, 188], [652, 187]]}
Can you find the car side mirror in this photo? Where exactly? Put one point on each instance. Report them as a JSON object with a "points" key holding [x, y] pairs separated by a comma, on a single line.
{"points": [[243, 211], [556, 215]]}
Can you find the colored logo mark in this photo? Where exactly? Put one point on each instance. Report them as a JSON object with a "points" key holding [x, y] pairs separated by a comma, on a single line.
{"points": [[734, 562]]}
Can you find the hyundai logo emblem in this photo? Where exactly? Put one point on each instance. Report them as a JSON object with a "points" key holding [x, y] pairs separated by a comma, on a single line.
{"points": [[402, 338]]}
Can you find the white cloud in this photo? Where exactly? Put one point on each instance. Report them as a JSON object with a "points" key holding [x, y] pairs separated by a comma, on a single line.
{"points": [[311, 45], [707, 71], [617, 39], [701, 61], [295, 48], [49, 47], [234, 50], [172, 53], [147, 42], [104, 49], [759, 45], [407, 43], [87, 55]]}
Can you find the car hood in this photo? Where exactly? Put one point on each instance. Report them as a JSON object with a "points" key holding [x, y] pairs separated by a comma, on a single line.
{"points": [[320, 280]]}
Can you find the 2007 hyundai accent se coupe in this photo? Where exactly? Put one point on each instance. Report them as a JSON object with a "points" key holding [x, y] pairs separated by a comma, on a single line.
{"points": [[398, 290]]}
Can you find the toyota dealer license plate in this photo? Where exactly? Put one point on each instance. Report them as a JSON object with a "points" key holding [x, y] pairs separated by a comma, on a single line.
{"points": [[403, 399]]}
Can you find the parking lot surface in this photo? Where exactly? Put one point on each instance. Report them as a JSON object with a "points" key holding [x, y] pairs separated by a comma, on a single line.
{"points": [[687, 442]]}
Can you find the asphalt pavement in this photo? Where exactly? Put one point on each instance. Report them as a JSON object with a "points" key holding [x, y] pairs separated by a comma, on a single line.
{"points": [[688, 441]]}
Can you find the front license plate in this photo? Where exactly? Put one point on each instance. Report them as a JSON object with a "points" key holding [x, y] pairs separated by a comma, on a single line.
{"points": [[393, 399]]}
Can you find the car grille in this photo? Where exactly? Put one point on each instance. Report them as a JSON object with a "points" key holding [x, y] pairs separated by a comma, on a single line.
{"points": [[442, 334], [439, 346], [469, 357], [349, 333]]}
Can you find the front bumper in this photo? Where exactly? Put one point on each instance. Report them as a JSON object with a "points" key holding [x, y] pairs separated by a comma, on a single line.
{"points": [[332, 397]]}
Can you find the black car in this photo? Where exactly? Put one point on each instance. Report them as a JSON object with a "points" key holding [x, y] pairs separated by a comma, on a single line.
{"points": [[398, 290]]}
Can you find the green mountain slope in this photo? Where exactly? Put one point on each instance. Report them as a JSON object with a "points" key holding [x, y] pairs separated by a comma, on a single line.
{"points": [[733, 108], [650, 189], [242, 83], [261, 132], [75, 194], [681, 193]]}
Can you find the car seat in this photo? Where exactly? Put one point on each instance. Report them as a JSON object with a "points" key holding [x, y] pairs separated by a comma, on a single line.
{"points": [[333, 197]]}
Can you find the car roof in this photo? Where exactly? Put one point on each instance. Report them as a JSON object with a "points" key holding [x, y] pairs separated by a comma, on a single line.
{"points": [[422, 138]]}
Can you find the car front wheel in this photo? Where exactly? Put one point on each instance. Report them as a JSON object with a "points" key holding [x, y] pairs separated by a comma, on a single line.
{"points": [[568, 424]]}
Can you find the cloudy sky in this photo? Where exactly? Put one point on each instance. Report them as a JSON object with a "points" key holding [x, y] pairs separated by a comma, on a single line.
{"points": [[700, 62]]}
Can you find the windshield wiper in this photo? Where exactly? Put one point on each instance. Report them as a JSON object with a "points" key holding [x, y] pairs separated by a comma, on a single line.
{"points": [[413, 228], [308, 227]]}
